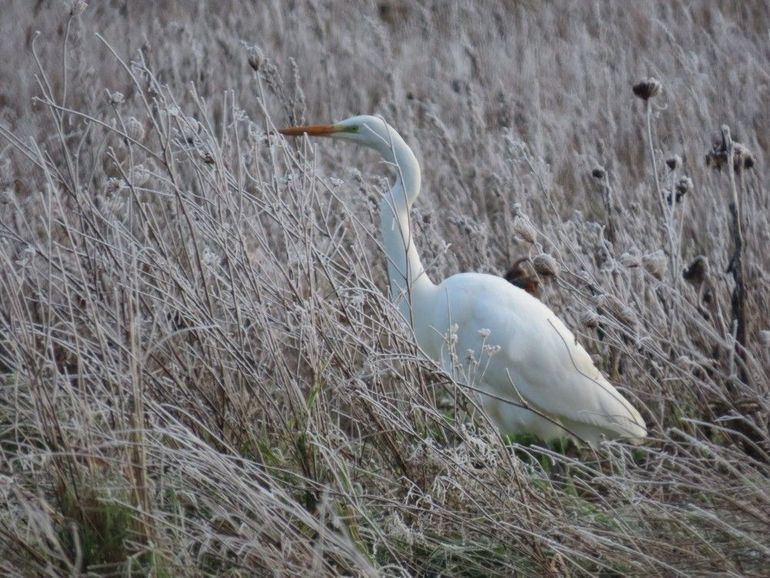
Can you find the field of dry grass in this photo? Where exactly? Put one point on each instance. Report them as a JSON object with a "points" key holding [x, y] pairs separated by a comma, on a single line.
{"points": [[200, 370]]}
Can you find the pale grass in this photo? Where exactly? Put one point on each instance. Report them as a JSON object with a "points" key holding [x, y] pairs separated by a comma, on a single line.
{"points": [[202, 373]]}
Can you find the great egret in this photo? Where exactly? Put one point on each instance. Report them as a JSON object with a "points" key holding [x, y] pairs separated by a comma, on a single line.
{"points": [[531, 373]]}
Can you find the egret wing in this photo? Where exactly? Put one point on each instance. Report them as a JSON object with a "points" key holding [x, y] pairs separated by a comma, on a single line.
{"points": [[538, 358]]}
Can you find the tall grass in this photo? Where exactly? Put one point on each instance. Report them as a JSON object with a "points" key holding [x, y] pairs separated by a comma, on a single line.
{"points": [[202, 373]]}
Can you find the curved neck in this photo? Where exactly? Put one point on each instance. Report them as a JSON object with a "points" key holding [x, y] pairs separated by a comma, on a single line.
{"points": [[405, 271]]}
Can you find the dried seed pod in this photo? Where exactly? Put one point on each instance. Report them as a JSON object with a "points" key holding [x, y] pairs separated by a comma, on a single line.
{"points": [[255, 57], [134, 129], [139, 175], [655, 263], [683, 186], [698, 270], [524, 228], [611, 305], [647, 89], [742, 157], [716, 158], [116, 98], [112, 186], [523, 276], [78, 7], [674, 162], [589, 319], [546, 265]]}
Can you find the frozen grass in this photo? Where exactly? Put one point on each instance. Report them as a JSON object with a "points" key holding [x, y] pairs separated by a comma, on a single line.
{"points": [[201, 373]]}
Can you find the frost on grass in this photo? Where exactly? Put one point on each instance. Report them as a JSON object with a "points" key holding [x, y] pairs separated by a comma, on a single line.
{"points": [[200, 368]]}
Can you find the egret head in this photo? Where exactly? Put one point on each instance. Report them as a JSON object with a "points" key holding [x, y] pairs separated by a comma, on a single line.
{"points": [[374, 133], [364, 130]]}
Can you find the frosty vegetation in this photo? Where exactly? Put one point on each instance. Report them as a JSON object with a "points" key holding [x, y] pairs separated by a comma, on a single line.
{"points": [[201, 372]]}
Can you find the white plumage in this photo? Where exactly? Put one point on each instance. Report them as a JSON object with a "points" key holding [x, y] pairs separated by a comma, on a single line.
{"points": [[487, 333]]}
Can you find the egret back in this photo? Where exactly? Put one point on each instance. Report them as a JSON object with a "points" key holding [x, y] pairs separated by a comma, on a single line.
{"points": [[512, 346]]}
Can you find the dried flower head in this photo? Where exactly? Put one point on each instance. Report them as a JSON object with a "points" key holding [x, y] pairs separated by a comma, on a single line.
{"points": [[116, 98], [589, 319], [134, 129], [674, 162], [112, 186], [546, 265], [683, 186], [523, 276], [255, 57], [524, 228], [611, 305], [698, 270], [717, 157], [647, 89], [139, 175], [78, 7], [655, 263]]}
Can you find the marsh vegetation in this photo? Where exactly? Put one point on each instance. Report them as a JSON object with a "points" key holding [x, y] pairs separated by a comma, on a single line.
{"points": [[201, 372]]}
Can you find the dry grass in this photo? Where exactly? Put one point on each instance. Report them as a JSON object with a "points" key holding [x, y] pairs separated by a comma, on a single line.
{"points": [[201, 372]]}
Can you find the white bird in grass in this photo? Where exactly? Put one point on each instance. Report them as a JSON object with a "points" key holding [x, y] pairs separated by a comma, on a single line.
{"points": [[531, 374]]}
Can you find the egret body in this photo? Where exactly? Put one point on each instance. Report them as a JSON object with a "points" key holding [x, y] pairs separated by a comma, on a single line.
{"points": [[532, 375]]}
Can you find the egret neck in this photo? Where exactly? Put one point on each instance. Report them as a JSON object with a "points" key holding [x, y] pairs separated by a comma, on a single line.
{"points": [[408, 280]]}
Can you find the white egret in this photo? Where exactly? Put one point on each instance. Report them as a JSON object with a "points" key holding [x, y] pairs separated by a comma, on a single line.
{"points": [[531, 373]]}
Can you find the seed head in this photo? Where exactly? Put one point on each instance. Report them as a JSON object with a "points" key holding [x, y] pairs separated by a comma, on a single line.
{"points": [[647, 89], [609, 304], [255, 57], [134, 129], [698, 271], [490, 350], [683, 186], [546, 265], [717, 157], [112, 186], [139, 175], [743, 159], [78, 7], [655, 263], [116, 98], [589, 318], [674, 162], [523, 276], [524, 229]]}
